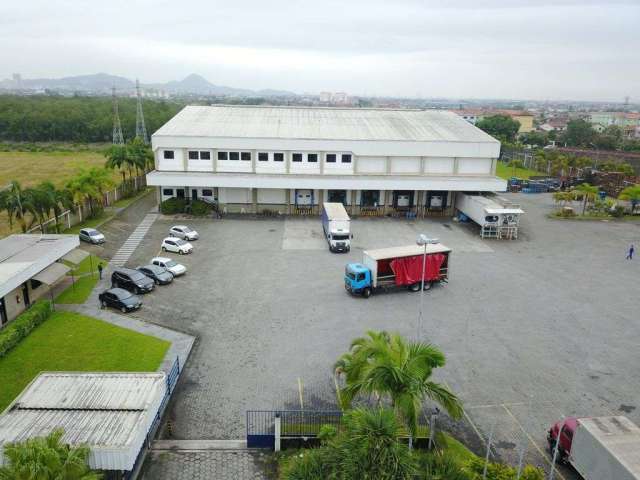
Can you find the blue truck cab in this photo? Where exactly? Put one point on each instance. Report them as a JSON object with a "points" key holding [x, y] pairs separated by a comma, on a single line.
{"points": [[357, 279]]}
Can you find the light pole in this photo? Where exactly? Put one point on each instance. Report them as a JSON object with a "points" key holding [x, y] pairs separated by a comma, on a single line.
{"points": [[423, 241]]}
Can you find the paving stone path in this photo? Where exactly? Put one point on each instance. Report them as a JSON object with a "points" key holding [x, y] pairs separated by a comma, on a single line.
{"points": [[129, 246], [207, 465]]}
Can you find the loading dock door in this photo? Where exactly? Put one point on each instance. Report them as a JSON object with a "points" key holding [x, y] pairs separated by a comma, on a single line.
{"points": [[402, 199], [337, 196], [304, 198]]}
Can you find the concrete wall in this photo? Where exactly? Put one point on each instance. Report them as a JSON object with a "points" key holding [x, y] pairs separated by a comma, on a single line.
{"points": [[14, 301]]}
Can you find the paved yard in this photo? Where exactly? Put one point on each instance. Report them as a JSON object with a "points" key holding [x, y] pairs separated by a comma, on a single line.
{"points": [[533, 329]]}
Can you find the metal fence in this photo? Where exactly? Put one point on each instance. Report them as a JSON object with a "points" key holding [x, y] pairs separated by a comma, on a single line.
{"points": [[293, 424]]}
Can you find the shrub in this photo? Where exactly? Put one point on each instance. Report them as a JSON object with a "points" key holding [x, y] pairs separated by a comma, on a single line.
{"points": [[172, 206], [200, 208], [618, 211], [499, 471], [24, 323], [306, 466]]}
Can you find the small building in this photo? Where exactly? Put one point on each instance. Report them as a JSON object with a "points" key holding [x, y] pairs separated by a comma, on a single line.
{"points": [[29, 266], [474, 115], [111, 413], [293, 159]]}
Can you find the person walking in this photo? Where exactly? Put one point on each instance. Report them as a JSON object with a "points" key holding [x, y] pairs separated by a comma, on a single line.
{"points": [[630, 254], [100, 270]]}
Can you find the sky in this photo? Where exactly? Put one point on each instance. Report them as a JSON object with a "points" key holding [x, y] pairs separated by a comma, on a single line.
{"points": [[518, 49]]}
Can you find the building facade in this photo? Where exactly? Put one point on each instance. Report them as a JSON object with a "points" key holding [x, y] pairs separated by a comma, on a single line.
{"points": [[292, 159]]}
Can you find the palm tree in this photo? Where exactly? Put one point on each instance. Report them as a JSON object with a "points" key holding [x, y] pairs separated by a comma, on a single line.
{"points": [[587, 192], [385, 365], [631, 194], [116, 158], [41, 204], [46, 458], [563, 197], [18, 204], [59, 200]]}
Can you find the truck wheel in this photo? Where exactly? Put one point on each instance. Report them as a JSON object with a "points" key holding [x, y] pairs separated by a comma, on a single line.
{"points": [[366, 293], [414, 287], [427, 286]]}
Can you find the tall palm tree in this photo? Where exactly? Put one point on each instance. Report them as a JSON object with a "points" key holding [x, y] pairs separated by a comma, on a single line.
{"points": [[18, 203], [631, 194], [116, 158], [46, 458], [387, 366], [588, 193], [59, 200], [41, 204]]}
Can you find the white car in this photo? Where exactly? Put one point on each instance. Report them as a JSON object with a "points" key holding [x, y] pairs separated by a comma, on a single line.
{"points": [[174, 267], [183, 232], [176, 245]]}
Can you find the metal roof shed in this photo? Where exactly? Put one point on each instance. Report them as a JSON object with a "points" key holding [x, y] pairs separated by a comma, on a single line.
{"points": [[111, 413]]}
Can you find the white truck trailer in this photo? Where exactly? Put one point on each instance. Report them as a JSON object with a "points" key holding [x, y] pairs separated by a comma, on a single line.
{"points": [[598, 448], [337, 227], [497, 217]]}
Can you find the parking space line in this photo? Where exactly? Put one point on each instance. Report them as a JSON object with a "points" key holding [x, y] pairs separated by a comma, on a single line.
{"points": [[540, 451]]}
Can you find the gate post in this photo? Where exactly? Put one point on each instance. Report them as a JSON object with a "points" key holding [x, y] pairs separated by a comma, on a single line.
{"points": [[277, 431]]}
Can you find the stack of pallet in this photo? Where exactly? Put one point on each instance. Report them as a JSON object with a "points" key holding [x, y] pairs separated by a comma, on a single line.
{"points": [[610, 182]]}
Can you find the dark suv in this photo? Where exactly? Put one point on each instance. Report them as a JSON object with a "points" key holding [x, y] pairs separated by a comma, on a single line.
{"points": [[131, 280]]}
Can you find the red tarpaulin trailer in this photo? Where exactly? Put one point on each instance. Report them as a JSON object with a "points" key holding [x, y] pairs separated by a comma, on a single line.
{"points": [[408, 270]]}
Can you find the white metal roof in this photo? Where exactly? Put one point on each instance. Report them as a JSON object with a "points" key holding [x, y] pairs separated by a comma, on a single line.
{"points": [[335, 211], [405, 251], [109, 412], [232, 121], [23, 256], [52, 273], [492, 207], [344, 182]]}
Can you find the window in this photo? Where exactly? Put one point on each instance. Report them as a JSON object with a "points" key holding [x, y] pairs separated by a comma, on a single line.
{"points": [[193, 155], [346, 158], [297, 157], [263, 157], [246, 156], [205, 155], [168, 154], [167, 191], [360, 277], [234, 155], [331, 158], [206, 192], [223, 156], [278, 157], [312, 157]]}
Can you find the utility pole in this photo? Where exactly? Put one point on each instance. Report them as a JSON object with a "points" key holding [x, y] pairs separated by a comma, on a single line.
{"points": [[141, 129], [118, 139]]}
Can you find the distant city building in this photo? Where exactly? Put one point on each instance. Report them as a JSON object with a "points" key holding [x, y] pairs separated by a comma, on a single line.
{"points": [[558, 124], [335, 98], [524, 117], [620, 119]]}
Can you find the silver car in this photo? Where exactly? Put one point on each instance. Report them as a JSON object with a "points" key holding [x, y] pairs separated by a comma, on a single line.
{"points": [[183, 232], [91, 235]]}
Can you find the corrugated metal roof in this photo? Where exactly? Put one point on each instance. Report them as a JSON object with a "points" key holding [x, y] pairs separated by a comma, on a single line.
{"points": [[322, 124], [52, 273], [94, 391], [111, 413]]}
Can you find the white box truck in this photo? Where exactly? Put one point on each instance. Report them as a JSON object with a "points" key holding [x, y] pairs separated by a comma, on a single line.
{"points": [[337, 227], [498, 218], [598, 448]]}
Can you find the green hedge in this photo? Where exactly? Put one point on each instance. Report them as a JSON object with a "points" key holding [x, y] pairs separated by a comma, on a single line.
{"points": [[24, 323], [198, 207], [172, 205]]}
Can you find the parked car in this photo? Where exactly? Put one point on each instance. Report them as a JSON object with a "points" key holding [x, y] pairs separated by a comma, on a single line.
{"points": [[119, 298], [176, 245], [183, 232], [174, 267], [132, 280], [91, 235], [160, 275]]}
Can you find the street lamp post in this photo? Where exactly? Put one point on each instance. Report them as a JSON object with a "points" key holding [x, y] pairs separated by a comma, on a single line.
{"points": [[423, 241]]}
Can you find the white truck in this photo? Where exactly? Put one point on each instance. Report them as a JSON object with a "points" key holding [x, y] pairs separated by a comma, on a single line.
{"points": [[337, 227], [497, 217], [598, 448]]}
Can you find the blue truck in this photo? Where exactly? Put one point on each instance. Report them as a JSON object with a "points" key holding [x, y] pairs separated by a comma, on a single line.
{"points": [[395, 267]]}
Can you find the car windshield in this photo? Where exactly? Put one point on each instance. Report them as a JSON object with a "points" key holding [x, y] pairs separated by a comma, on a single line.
{"points": [[155, 269], [171, 263], [349, 273], [94, 233], [180, 242], [122, 294], [186, 229], [137, 276], [340, 237]]}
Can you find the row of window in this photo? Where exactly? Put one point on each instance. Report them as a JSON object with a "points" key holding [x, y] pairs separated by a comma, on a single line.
{"points": [[262, 156], [206, 192]]}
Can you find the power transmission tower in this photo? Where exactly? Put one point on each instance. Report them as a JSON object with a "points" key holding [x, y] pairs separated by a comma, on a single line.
{"points": [[141, 130], [118, 139]]}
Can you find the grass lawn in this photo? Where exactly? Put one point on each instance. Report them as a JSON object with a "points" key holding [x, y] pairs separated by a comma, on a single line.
{"points": [[503, 171], [79, 292], [125, 202], [72, 342], [85, 265]]}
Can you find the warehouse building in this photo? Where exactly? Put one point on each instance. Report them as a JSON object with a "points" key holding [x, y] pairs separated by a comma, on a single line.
{"points": [[111, 413], [292, 159], [30, 265]]}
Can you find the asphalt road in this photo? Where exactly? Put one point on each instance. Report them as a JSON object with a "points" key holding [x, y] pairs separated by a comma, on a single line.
{"points": [[533, 329]]}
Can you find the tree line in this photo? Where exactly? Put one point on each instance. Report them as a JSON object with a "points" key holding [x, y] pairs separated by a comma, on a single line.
{"points": [[39, 204], [44, 118]]}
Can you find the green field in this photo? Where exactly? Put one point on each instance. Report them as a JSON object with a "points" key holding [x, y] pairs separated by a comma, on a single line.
{"points": [[79, 291], [72, 342], [503, 171]]}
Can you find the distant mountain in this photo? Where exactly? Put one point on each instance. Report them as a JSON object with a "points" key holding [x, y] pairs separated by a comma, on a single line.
{"points": [[102, 83]]}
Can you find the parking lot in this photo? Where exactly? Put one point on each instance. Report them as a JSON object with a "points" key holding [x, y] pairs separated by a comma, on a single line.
{"points": [[533, 329]]}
